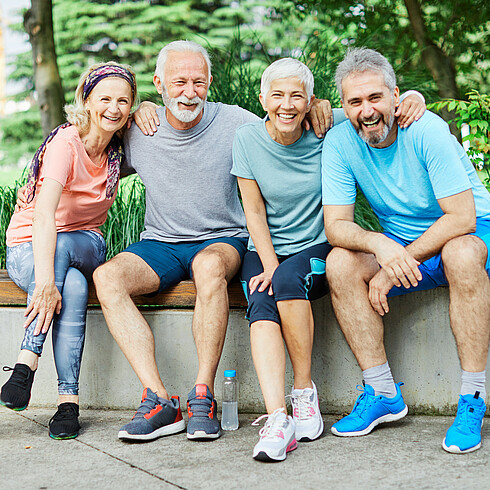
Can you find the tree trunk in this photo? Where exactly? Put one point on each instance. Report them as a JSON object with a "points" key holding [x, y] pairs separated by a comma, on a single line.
{"points": [[439, 64], [38, 23]]}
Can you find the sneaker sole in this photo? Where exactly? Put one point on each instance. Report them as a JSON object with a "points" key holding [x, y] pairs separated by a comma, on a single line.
{"points": [[309, 438], [16, 409], [62, 437], [167, 430], [456, 450], [264, 457], [389, 417], [201, 434]]}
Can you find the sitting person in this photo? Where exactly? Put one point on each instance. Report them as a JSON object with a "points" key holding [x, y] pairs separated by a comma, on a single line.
{"points": [[194, 228], [54, 243], [278, 168], [436, 216]]}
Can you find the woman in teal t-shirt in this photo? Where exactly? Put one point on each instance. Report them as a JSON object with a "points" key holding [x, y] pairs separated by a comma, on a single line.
{"points": [[278, 168]]}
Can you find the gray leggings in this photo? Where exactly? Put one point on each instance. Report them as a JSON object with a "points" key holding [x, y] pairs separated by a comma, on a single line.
{"points": [[78, 254]]}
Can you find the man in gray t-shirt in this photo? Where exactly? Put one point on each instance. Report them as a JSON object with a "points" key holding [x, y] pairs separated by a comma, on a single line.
{"points": [[194, 227]]}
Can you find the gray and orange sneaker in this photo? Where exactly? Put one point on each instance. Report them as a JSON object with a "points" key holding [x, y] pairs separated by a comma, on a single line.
{"points": [[203, 420], [155, 417]]}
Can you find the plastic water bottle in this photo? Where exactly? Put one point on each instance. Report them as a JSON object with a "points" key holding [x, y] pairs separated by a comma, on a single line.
{"points": [[229, 414]]}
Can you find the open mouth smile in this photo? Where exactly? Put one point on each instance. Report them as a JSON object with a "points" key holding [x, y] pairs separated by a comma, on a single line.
{"points": [[371, 124], [286, 117]]}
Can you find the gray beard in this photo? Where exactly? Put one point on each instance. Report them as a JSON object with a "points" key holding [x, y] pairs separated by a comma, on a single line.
{"points": [[376, 139], [185, 116]]}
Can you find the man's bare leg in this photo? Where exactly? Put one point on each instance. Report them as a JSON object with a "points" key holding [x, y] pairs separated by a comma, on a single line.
{"points": [[464, 261], [212, 269], [348, 275], [116, 281]]}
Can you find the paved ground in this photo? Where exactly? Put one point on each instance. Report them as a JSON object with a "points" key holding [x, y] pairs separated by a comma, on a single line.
{"points": [[405, 454]]}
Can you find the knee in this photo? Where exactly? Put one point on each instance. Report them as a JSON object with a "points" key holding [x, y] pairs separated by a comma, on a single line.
{"points": [[285, 281], [463, 257], [107, 281], [342, 264], [75, 284], [209, 272]]}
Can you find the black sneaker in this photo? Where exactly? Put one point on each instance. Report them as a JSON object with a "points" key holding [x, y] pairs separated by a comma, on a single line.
{"points": [[16, 392], [64, 423]]}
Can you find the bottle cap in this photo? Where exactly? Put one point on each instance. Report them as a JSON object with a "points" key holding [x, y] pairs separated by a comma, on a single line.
{"points": [[230, 373]]}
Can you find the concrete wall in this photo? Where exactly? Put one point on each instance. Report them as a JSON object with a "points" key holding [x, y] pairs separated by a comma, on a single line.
{"points": [[419, 343]]}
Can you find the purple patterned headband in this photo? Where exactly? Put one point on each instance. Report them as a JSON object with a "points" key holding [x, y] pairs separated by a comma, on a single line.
{"points": [[105, 71]]}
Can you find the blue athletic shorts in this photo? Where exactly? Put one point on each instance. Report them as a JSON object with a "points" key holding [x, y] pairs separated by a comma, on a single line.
{"points": [[173, 261], [432, 269], [299, 276]]}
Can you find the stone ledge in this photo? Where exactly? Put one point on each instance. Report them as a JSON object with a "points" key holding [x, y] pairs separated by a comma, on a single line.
{"points": [[418, 339]]}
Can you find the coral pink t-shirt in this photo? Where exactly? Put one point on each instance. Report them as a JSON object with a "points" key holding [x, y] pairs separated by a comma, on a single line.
{"points": [[83, 204]]}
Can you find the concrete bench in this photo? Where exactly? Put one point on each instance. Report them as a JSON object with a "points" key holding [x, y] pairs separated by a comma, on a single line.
{"points": [[418, 340]]}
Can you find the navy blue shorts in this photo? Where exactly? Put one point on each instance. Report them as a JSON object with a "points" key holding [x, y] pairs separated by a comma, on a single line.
{"points": [[432, 269], [299, 276], [173, 261]]}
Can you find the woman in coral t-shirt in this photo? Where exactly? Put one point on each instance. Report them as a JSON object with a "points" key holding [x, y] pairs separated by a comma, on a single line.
{"points": [[54, 243]]}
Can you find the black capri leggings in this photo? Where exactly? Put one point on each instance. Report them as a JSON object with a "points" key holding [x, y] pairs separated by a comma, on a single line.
{"points": [[299, 276]]}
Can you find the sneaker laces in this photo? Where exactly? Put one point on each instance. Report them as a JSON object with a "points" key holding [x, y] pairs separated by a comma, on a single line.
{"points": [[469, 417], [66, 411], [273, 427], [363, 402], [306, 408], [146, 407], [19, 376], [200, 407]]}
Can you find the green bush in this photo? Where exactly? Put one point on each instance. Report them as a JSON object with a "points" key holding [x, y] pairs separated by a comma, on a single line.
{"points": [[476, 113]]}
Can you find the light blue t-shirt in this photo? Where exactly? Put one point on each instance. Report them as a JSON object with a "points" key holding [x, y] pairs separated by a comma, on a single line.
{"points": [[403, 181], [289, 178]]}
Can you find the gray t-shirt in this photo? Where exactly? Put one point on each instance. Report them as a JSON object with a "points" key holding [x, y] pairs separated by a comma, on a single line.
{"points": [[190, 193]]}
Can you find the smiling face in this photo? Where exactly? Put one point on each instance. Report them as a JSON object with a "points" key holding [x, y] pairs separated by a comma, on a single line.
{"points": [[109, 105], [286, 104], [184, 88], [370, 106]]}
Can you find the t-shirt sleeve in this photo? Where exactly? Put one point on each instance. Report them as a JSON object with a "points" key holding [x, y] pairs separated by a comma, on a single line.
{"points": [[241, 166], [439, 152], [58, 161], [338, 182]]}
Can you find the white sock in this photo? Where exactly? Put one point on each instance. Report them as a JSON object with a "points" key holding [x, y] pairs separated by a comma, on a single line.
{"points": [[381, 380], [472, 382]]}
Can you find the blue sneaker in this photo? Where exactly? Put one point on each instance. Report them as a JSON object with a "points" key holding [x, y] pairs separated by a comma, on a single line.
{"points": [[369, 411], [154, 418], [203, 420], [464, 435]]}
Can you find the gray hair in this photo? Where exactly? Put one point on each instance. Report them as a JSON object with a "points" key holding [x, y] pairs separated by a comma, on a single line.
{"points": [[287, 68], [180, 46], [359, 60]]}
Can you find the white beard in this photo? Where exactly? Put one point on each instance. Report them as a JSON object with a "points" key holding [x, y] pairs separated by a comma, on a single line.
{"points": [[184, 115], [373, 138]]}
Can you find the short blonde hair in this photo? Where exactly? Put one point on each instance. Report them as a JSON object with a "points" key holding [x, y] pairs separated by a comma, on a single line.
{"points": [[77, 114]]}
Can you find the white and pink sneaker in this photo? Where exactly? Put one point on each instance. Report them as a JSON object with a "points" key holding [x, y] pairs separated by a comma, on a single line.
{"points": [[306, 414], [276, 437]]}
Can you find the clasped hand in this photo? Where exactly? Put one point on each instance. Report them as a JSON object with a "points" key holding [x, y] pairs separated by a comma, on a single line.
{"points": [[398, 268], [45, 302]]}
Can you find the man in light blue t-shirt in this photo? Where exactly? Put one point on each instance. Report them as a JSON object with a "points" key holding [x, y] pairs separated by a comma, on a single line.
{"points": [[436, 219]]}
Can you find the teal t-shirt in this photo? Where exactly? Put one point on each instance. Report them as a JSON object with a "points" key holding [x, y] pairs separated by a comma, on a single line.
{"points": [[289, 178], [403, 181]]}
